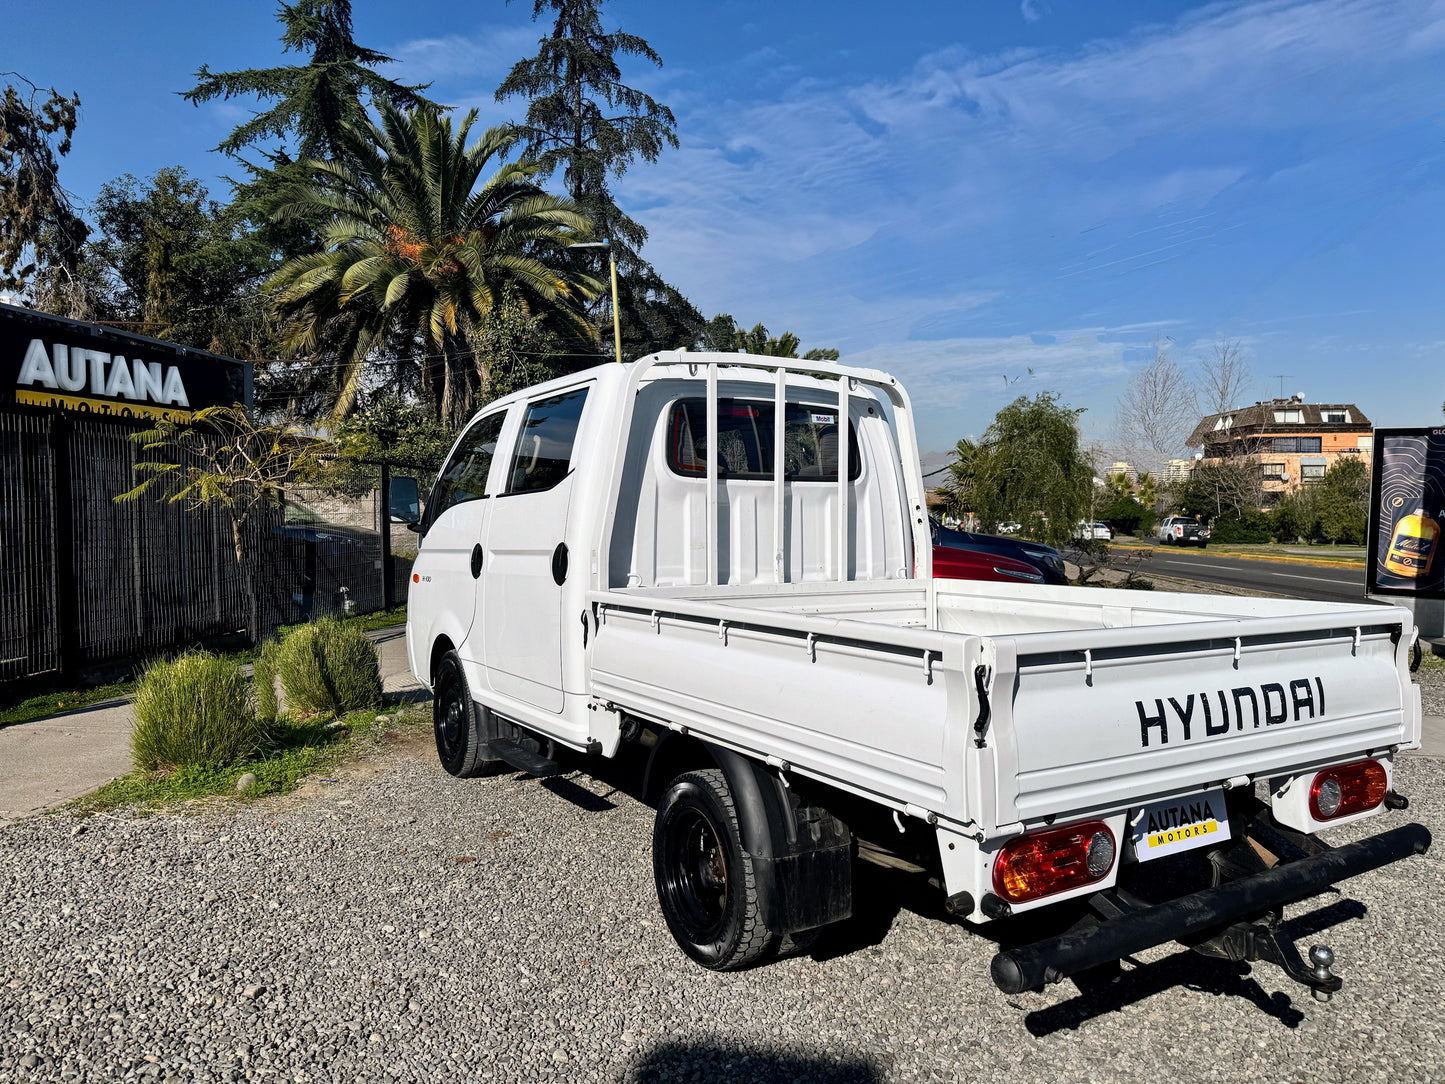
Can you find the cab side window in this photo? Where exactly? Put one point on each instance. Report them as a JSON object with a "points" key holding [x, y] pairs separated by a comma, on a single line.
{"points": [[544, 445], [464, 478]]}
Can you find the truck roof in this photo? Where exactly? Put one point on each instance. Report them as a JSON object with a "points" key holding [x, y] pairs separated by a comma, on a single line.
{"points": [[823, 375]]}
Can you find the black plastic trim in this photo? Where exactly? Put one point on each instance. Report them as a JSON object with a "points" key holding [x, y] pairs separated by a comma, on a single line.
{"points": [[1052, 959]]}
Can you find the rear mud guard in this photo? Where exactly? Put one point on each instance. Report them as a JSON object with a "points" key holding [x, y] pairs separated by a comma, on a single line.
{"points": [[802, 855]]}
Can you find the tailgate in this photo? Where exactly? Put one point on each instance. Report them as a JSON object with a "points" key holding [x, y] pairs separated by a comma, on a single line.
{"points": [[1102, 720]]}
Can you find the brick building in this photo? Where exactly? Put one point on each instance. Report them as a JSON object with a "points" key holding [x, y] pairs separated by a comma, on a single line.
{"points": [[1294, 442]]}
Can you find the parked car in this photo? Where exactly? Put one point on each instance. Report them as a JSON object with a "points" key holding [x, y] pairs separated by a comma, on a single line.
{"points": [[1044, 559], [950, 563], [1094, 530], [1183, 531]]}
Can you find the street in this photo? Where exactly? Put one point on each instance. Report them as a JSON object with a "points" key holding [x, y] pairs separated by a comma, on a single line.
{"points": [[1294, 578]]}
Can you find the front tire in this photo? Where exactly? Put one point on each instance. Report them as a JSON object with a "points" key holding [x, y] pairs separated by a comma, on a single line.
{"points": [[705, 880], [455, 720]]}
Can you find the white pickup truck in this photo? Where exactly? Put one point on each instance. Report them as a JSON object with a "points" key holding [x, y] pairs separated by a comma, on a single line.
{"points": [[667, 555]]}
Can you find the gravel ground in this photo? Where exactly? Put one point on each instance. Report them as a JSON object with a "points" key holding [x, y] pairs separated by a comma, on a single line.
{"points": [[1431, 679], [402, 925]]}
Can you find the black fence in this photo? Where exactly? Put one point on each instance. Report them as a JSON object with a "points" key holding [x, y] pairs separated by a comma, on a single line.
{"points": [[85, 580]]}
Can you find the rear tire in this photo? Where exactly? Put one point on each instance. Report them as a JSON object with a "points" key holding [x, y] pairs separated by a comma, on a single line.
{"points": [[456, 721], [705, 880]]}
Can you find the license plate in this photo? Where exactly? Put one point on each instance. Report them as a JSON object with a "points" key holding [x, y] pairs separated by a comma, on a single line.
{"points": [[1179, 824]]}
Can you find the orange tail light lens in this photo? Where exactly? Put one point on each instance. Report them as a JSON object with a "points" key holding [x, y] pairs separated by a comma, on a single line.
{"points": [[1348, 789], [1056, 860]]}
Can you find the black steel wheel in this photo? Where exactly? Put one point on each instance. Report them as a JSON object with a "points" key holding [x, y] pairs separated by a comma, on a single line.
{"points": [[456, 720], [705, 881]]}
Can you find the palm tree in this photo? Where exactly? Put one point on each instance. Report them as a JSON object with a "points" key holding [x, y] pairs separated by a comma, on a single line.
{"points": [[419, 249]]}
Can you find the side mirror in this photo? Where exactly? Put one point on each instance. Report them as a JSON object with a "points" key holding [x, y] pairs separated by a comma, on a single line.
{"points": [[416, 528], [403, 504]]}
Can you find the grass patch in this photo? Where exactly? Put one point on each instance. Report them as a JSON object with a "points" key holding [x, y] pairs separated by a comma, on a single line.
{"points": [[381, 619], [52, 703], [44, 704], [303, 749]]}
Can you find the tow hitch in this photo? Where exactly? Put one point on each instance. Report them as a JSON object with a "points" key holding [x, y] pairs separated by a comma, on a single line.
{"points": [[1246, 942]]}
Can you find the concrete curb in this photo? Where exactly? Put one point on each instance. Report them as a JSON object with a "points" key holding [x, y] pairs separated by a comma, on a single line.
{"points": [[1289, 559]]}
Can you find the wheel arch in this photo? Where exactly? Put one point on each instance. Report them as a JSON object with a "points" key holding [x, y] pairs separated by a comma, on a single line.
{"points": [[802, 854], [439, 647]]}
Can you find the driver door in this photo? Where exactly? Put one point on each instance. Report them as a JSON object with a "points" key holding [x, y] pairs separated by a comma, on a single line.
{"points": [[443, 592]]}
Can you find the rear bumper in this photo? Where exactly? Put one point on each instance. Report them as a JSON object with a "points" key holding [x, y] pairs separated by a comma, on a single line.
{"points": [[1050, 960]]}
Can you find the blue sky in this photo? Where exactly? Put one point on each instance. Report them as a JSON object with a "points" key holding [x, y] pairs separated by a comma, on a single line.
{"points": [[957, 192]]}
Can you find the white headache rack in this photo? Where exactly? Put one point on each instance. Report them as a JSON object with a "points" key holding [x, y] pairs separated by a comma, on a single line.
{"points": [[710, 367]]}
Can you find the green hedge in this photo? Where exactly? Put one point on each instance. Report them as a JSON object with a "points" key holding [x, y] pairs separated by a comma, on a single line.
{"points": [[1246, 527], [194, 711], [329, 667]]}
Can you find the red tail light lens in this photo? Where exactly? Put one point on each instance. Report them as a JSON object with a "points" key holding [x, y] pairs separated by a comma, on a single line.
{"points": [[1348, 789], [1043, 863]]}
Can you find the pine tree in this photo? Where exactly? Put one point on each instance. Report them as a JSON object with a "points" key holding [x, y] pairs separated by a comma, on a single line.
{"points": [[582, 119], [42, 233], [315, 99]]}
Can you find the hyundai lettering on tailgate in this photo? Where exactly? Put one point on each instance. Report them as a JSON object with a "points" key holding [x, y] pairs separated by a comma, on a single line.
{"points": [[1198, 715], [1180, 824]]}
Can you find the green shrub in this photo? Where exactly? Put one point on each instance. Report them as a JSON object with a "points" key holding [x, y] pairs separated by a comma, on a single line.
{"points": [[193, 712], [1247, 526], [263, 683], [329, 667]]}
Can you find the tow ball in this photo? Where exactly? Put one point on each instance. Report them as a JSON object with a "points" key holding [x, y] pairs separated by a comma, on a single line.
{"points": [[1247, 942]]}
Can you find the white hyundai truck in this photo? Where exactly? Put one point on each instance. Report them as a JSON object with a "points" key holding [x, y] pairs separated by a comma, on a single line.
{"points": [[724, 561]]}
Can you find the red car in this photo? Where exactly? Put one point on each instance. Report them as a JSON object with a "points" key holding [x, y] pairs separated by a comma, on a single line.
{"points": [[956, 564]]}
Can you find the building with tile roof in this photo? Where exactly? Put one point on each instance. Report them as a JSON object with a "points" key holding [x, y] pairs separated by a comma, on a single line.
{"points": [[1294, 442]]}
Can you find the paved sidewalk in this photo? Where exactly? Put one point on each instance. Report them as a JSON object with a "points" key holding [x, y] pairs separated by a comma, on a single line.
{"points": [[48, 762]]}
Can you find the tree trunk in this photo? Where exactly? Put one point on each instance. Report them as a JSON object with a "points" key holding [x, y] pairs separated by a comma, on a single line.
{"points": [[244, 564], [458, 387]]}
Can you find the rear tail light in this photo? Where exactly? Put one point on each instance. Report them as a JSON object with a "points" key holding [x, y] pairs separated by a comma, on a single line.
{"points": [[1348, 789], [1044, 863]]}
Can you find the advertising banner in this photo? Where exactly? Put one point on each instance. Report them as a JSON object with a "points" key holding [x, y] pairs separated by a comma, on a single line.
{"points": [[66, 365], [1407, 514]]}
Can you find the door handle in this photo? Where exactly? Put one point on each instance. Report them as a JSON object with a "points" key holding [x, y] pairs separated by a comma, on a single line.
{"points": [[476, 560], [559, 563]]}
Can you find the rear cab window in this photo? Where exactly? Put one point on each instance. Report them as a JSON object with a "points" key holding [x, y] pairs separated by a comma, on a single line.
{"points": [[543, 455], [745, 441]]}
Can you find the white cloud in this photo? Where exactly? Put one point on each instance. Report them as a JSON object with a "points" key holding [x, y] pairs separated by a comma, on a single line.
{"points": [[1031, 10], [487, 55], [979, 167], [956, 385]]}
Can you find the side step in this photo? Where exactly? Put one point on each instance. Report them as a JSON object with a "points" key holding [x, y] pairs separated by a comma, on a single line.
{"points": [[524, 760]]}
